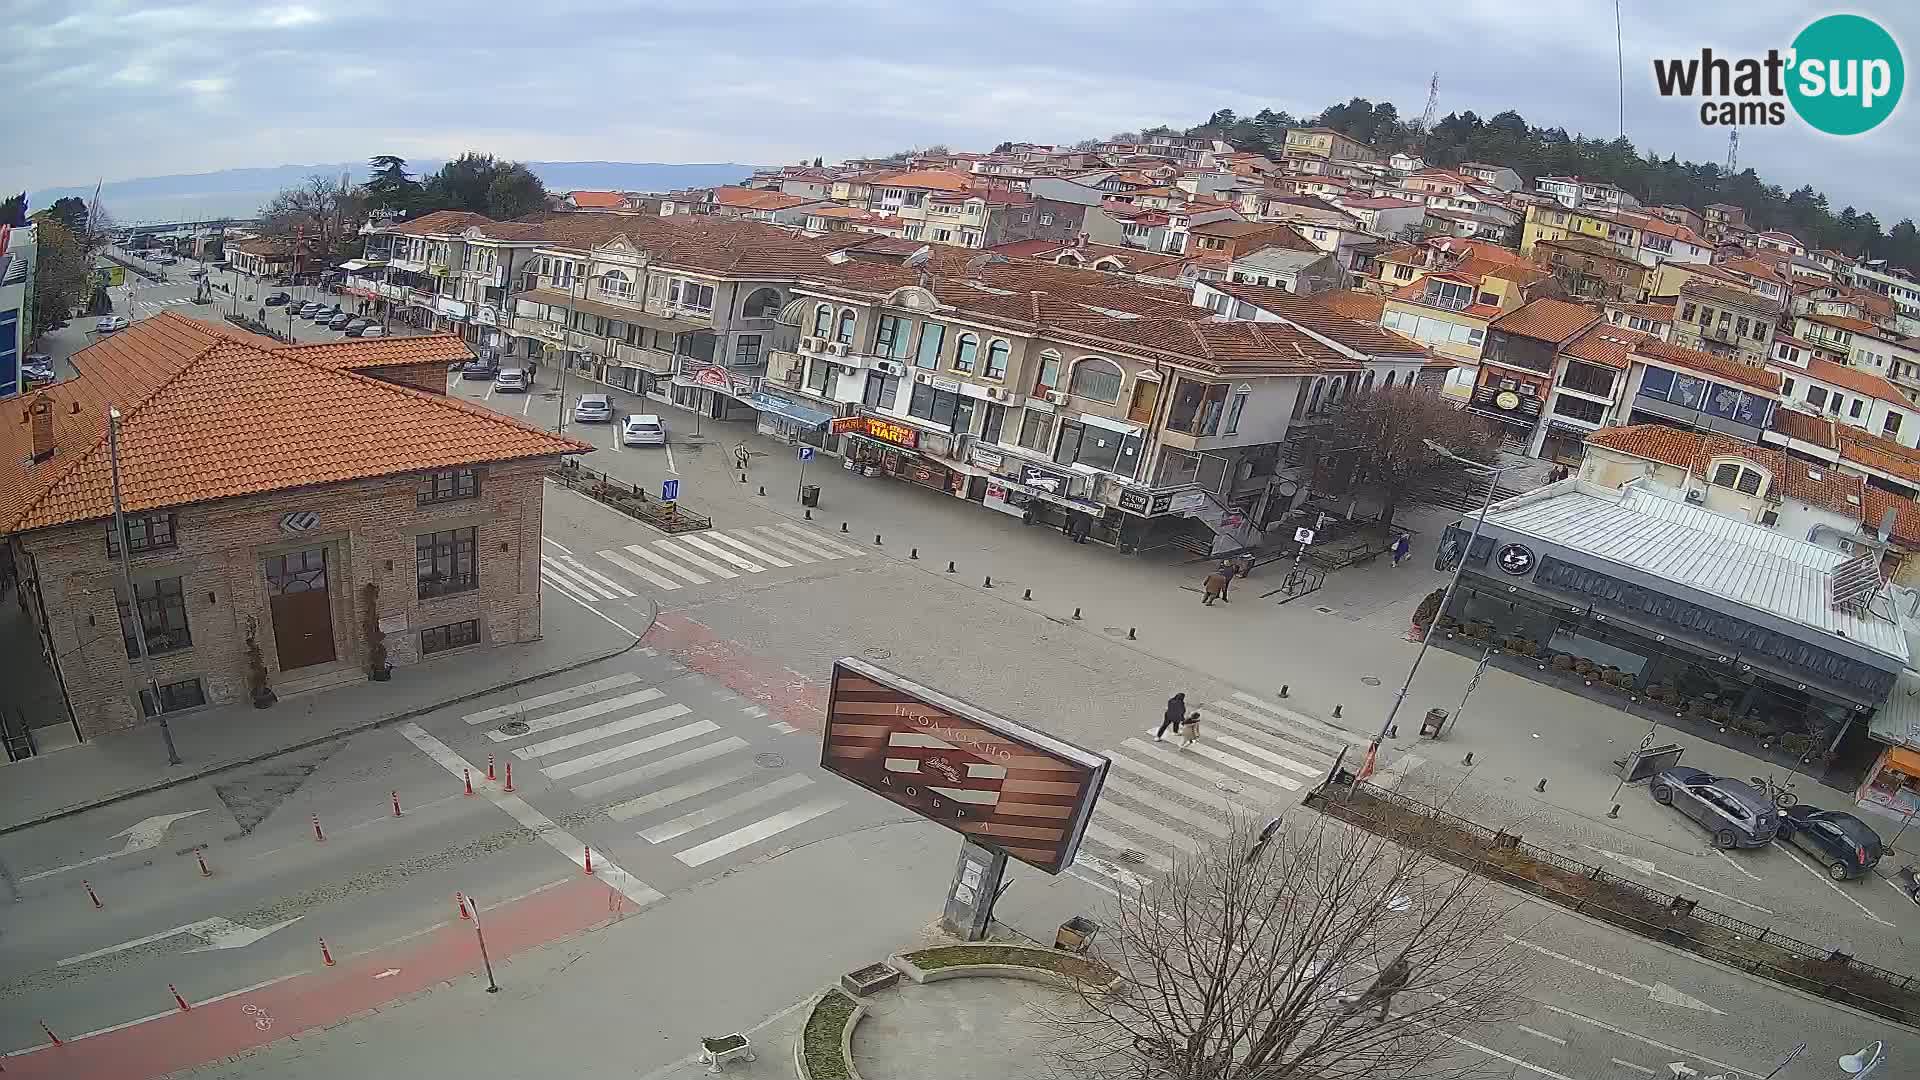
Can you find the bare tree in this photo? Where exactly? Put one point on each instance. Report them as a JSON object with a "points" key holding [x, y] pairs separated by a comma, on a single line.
{"points": [[1377, 441], [1308, 950], [325, 209]]}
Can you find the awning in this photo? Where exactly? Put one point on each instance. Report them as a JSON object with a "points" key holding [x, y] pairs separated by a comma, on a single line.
{"points": [[813, 418], [361, 264]]}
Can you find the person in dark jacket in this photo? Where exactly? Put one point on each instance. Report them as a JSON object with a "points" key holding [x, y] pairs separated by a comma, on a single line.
{"points": [[1175, 716]]}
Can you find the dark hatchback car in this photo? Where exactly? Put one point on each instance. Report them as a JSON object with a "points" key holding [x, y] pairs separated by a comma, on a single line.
{"points": [[1848, 846], [480, 369], [1734, 811]]}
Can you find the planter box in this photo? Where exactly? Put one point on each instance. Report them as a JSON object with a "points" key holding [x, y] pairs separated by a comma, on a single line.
{"points": [[1024, 962], [869, 979], [846, 1070]]}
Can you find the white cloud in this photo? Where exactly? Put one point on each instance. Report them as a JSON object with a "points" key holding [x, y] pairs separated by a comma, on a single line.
{"points": [[206, 85]]}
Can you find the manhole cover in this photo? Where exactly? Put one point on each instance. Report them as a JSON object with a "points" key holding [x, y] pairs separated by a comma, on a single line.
{"points": [[1227, 786], [514, 727], [1138, 858], [770, 761], [1370, 680], [876, 653], [1323, 609]]}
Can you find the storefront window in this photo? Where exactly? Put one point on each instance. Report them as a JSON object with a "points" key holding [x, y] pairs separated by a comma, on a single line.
{"points": [[1035, 429], [936, 406], [1098, 448], [1896, 787]]}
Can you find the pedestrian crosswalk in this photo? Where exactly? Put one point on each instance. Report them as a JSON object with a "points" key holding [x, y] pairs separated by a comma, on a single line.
{"points": [[687, 560], [1253, 759], [682, 782]]}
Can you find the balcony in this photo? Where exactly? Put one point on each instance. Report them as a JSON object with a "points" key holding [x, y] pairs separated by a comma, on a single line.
{"points": [[1506, 405], [654, 360], [785, 368]]}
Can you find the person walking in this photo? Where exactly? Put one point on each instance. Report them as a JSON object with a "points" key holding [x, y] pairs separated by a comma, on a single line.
{"points": [[1392, 979], [1176, 715], [1189, 730], [1401, 546], [1080, 525], [1230, 569], [1212, 588]]}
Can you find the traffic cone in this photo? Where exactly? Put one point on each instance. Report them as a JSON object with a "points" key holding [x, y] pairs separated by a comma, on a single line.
{"points": [[178, 1000], [509, 776], [461, 900], [326, 956], [468, 773], [589, 862], [489, 768]]}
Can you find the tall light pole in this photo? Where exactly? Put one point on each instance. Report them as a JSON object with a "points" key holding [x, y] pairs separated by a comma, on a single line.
{"points": [[1493, 478], [566, 340], [126, 585]]}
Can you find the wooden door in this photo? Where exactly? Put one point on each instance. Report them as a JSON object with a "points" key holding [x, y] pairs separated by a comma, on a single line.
{"points": [[302, 610]]}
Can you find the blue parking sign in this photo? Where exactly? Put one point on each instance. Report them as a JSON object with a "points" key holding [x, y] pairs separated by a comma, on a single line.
{"points": [[669, 490], [806, 453]]}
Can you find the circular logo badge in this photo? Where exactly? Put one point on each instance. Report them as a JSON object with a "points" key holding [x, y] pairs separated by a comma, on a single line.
{"points": [[1507, 399], [1516, 559], [1847, 74]]}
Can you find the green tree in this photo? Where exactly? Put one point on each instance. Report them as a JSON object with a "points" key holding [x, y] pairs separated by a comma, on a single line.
{"points": [[62, 278], [514, 191], [388, 185], [14, 210], [72, 212]]}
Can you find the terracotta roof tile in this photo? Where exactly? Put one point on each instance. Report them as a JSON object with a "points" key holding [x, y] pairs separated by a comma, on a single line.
{"points": [[1547, 320], [442, 223], [1810, 482], [1906, 514], [1247, 348], [1603, 344], [1856, 380], [740, 198], [1720, 294], [597, 200], [209, 417], [1310, 314], [1354, 304], [934, 179], [1805, 427], [1875, 452], [1853, 326], [355, 354], [1708, 364]]}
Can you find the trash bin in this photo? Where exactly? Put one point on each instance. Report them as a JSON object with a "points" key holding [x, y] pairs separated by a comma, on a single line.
{"points": [[1076, 934], [810, 495], [1430, 727]]}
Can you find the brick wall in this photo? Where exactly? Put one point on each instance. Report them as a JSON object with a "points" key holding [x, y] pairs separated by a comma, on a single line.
{"points": [[368, 529], [429, 377]]}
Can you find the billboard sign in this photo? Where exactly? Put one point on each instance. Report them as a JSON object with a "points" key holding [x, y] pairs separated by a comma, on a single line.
{"points": [[1000, 783]]}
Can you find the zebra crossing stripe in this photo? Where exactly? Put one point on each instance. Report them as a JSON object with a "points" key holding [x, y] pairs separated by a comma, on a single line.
{"points": [[1263, 754], [1111, 871], [667, 796], [1201, 820], [818, 539], [803, 540], [1107, 838], [665, 564], [574, 715], [553, 579], [786, 549], [729, 843], [601, 731], [1310, 722], [653, 769], [502, 712], [719, 552], [725, 809], [1140, 823], [602, 580], [751, 551], [1310, 738], [680, 553], [579, 583], [1182, 761], [1203, 796], [627, 750], [639, 571], [1310, 750], [1265, 776]]}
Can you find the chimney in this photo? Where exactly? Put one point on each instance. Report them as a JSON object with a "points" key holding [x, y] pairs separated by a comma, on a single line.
{"points": [[40, 416]]}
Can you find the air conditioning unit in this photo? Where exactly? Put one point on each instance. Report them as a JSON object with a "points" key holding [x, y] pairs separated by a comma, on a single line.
{"points": [[890, 367], [1696, 496], [1056, 397], [923, 376], [809, 344], [996, 394], [841, 348]]}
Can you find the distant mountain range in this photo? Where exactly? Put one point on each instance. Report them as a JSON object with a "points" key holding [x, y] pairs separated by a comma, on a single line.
{"points": [[239, 192]]}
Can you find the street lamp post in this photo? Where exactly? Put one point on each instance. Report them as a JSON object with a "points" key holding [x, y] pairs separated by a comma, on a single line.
{"points": [[1493, 478], [1864, 1061], [126, 585]]}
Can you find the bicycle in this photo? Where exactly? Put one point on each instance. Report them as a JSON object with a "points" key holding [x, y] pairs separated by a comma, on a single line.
{"points": [[1781, 794]]}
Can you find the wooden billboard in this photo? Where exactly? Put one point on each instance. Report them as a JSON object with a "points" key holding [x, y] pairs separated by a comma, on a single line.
{"points": [[1002, 784]]}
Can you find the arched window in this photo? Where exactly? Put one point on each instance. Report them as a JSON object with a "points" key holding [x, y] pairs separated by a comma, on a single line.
{"points": [[615, 283], [845, 334], [1313, 402], [822, 321], [1299, 404], [1096, 378], [1388, 385], [965, 351], [763, 304], [997, 359], [1366, 384]]}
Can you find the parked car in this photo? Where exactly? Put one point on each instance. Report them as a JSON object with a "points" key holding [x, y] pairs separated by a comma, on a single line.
{"points": [[369, 330], [36, 370], [358, 325], [1734, 811], [107, 324], [510, 380], [308, 310], [1848, 846], [479, 369], [593, 409], [643, 430], [277, 299], [340, 321]]}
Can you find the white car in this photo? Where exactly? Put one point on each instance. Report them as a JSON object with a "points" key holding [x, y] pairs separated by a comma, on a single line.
{"points": [[643, 430], [510, 379], [593, 409], [107, 324]]}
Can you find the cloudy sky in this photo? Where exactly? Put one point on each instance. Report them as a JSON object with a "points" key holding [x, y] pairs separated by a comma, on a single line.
{"points": [[123, 89]]}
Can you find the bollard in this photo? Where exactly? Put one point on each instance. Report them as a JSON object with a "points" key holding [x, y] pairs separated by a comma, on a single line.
{"points": [[50, 1034], [987, 584], [178, 1000], [509, 776], [1615, 812], [396, 804], [318, 836], [914, 554], [1542, 785], [876, 538], [460, 900], [589, 862], [809, 513], [1393, 732], [763, 489], [91, 895], [1076, 613], [743, 478], [950, 568], [1133, 633], [490, 776], [1336, 712], [1468, 760], [1028, 595], [1283, 690], [204, 871], [326, 956], [468, 773], [843, 526]]}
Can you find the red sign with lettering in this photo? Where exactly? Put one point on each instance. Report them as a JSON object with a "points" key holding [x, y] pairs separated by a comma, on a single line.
{"points": [[876, 428]]}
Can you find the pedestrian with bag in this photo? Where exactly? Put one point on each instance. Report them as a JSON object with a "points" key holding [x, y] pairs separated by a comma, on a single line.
{"points": [[1213, 588], [1176, 715]]}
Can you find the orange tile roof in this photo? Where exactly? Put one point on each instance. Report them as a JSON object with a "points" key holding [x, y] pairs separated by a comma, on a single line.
{"points": [[1906, 514], [1547, 320], [1654, 312], [1875, 452], [1247, 348], [1853, 326], [1811, 483], [442, 223], [1308, 313], [740, 198], [933, 179], [1605, 344], [1856, 380], [1805, 427], [207, 416], [1353, 303], [1721, 294], [356, 354], [597, 200], [1706, 363]]}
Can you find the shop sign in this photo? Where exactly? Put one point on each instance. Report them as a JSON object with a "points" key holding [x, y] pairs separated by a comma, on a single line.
{"points": [[1160, 505], [1039, 479], [1133, 501], [453, 309], [952, 386], [985, 458], [1188, 502], [713, 377], [1516, 559], [876, 428]]}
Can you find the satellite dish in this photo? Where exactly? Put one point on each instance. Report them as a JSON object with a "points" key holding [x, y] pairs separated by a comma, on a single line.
{"points": [[920, 257], [980, 262]]}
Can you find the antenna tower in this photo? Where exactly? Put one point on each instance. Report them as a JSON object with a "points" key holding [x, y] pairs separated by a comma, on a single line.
{"points": [[1733, 151], [1433, 106]]}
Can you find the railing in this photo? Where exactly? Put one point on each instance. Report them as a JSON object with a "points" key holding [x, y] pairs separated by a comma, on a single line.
{"points": [[1664, 917], [630, 500]]}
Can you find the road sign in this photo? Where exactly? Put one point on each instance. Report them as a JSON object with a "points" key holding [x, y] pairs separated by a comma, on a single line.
{"points": [[669, 490], [806, 453], [1303, 536]]}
